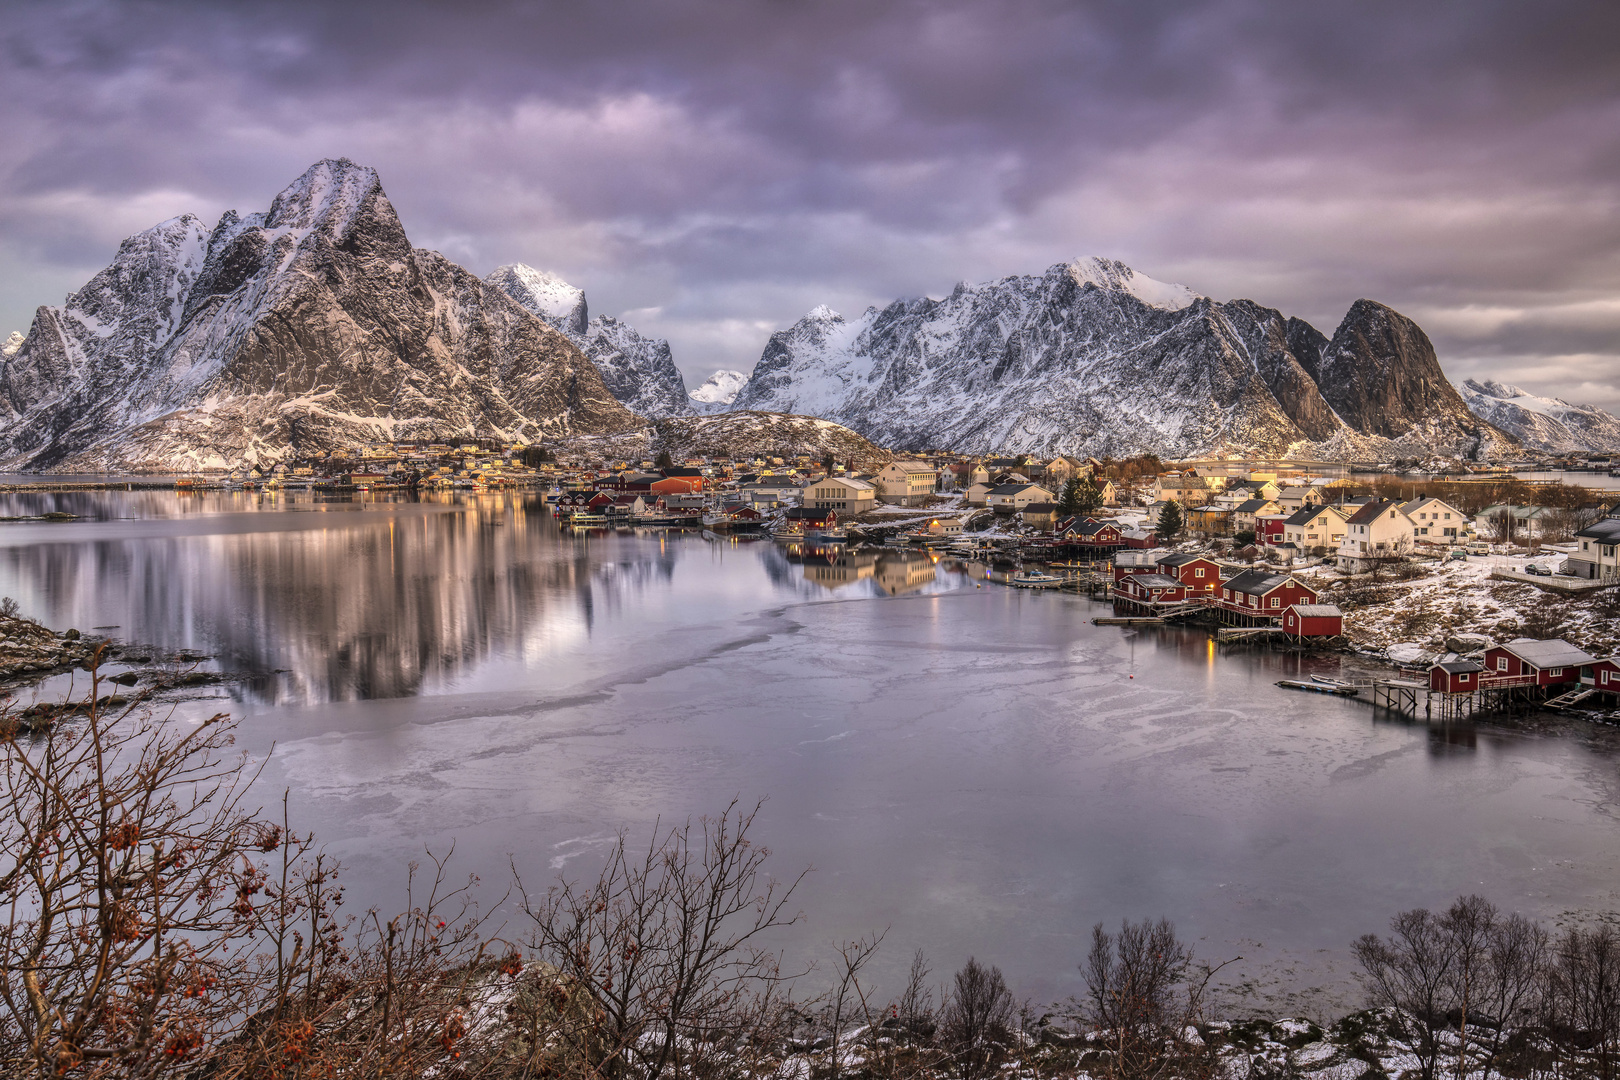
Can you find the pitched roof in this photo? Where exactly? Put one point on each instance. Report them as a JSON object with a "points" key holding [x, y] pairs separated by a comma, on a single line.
{"points": [[1606, 531], [1459, 667], [1041, 508], [1255, 582], [1317, 611], [1302, 516], [1370, 512], [1182, 560], [1544, 654], [1153, 581], [1251, 506], [1012, 489]]}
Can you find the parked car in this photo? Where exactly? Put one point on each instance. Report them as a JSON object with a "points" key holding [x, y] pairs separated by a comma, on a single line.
{"points": [[1478, 547], [1538, 569]]}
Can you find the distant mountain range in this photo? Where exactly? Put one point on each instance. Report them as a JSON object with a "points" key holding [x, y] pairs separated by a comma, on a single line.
{"points": [[315, 325], [1094, 357], [1542, 423]]}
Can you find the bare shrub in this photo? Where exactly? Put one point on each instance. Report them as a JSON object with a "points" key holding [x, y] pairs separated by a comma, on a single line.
{"points": [[1585, 992], [1141, 997], [978, 1019], [667, 947]]}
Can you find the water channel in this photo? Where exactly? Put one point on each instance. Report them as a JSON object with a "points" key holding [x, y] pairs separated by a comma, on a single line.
{"points": [[977, 768]]}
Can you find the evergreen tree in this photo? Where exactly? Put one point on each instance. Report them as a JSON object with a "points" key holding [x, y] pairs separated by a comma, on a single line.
{"points": [[1088, 499], [664, 461], [1170, 523], [1069, 501]]}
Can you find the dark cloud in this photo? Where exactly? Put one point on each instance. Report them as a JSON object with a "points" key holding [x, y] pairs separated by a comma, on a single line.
{"points": [[713, 169]]}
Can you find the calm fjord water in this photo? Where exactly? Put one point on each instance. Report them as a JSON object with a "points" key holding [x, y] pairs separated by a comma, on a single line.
{"points": [[979, 768]]}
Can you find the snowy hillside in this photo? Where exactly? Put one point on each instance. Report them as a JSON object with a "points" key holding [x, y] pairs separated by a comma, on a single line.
{"points": [[311, 326], [1542, 423], [639, 371], [720, 389], [1094, 357]]}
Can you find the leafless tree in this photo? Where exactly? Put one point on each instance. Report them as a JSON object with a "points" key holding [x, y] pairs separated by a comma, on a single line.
{"points": [[667, 946], [848, 999], [1141, 994], [978, 1018], [1412, 972], [1586, 990]]}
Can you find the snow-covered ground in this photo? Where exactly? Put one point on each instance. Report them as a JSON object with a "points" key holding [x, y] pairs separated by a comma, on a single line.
{"points": [[1452, 598]]}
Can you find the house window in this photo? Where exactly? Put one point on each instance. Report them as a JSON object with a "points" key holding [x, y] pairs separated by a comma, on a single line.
{"points": [[1555, 672], [1463, 677], [1501, 663], [1199, 572], [1276, 601]]}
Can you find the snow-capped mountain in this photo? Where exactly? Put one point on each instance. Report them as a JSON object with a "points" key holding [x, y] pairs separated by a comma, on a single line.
{"points": [[720, 389], [639, 371], [1094, 357], [310, 326], [1542, 423], [12, 343]]}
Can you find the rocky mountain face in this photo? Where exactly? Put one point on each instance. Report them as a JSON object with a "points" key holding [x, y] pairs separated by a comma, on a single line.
{"points": [[735, 434], [310, 326], [1541, 423], [639, 371], [719, 390], [1092, 357]]}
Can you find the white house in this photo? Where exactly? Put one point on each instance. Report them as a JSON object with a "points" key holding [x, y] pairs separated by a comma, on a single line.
{"points": [[1005, 498], [841, 493], [1435, 521], [906, 482], [1378, 530], [1312, 528]]}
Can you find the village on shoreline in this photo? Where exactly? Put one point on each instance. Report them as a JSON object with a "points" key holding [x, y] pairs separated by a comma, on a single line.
{"points": [[1483, 591]]}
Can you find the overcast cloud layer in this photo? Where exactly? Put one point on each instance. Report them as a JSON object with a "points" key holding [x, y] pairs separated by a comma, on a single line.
{"points": [[710, 171]]}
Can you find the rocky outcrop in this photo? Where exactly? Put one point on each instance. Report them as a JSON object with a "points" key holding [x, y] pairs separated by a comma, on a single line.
{"points": [[1093, 357], [311, 326], [1381, 376], [639, 371], [1547, 424]]}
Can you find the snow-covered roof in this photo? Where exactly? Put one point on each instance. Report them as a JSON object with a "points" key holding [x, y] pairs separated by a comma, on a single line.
{"points": [[1317, 611], [1154, 581], [1545, 654], [1459, 667]]}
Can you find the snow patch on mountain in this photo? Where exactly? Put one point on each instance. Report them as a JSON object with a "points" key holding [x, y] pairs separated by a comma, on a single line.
{"points": [[12, 344], [639, 371], [720, 388], [548, 296], [1542, 423]]}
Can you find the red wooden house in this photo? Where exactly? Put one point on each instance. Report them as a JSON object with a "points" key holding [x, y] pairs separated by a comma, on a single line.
{"points": [[1140, 539], [1268, 529], [1530, 662], [1313, 620], [1455, 677], [1194, 571], [1129, 562], [1140, 592], [1094, 534], [1603, 676], [1263, 595]]}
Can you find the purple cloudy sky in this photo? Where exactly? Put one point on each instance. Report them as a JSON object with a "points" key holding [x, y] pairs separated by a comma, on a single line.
{"points": [[711, 170]]}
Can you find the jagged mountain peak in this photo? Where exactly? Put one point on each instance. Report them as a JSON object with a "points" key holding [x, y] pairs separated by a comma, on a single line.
{"points": [[720, 388], [1115, 276], [545, 294], [1542, 423], [310, 326], [1093, 357], [12, 344], [330, 193]]}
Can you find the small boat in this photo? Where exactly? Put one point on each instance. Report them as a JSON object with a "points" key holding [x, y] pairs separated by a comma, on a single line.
{"points": [[1034, 579], [1318, 687], [826, 536]]}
